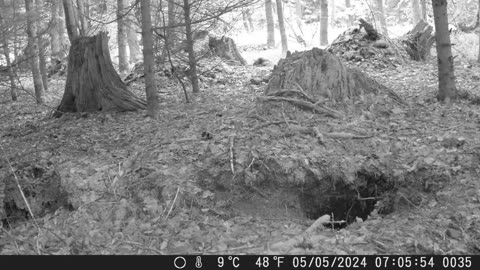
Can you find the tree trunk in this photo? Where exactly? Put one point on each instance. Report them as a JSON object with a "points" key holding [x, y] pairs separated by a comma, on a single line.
{"points": [[148, 60], [478, 22], [270, 24], [33, 52], [250, 20], [191, 54], [171, 36], [417, 13], [42, 57], [70, 20], [61, 27], [122, 37], [54, 33], [446, 78], [332, 13], [298, 13], [245, 21], [6, 53], [323, 22], [132, 39], [82, 11], [423, 4], [348, 5], [381, 17], [92, 83], [281, 25]]}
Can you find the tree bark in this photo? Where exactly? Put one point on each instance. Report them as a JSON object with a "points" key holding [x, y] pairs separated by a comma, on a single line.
{"points": [[82, 11], [417, 13], [70, 20], [54, 31], [446, 78], [323, 22], [33, 52], [381, 17], [270, 24], [122, 37], [321, 75], [191, 54], [245, 21], [348, 5], [132, 39], [42, 57], [423, 4], [298, 13], [148, 60], [92, 83], [62, 27], [6, 53], [478, 23], [332, 13], [281, 25]]}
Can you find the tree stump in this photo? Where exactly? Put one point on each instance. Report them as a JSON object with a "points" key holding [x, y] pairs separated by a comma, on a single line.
{"points": [[372, 33], [225, 48], [419, 41], [92, 82], [322, 75]]}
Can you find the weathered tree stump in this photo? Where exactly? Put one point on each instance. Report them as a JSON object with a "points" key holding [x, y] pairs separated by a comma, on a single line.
{"points": [[418, 41], [225, 48], [321, 75], [92, 82]]}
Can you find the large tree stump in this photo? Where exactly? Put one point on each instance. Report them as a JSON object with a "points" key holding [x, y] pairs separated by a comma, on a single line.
{"points": [[322, 75], [419, 41], [92, 82], [225, 48]]}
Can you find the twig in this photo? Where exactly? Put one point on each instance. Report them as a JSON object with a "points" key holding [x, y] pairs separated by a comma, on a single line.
{"points": [[232, 167], [173, 203]]}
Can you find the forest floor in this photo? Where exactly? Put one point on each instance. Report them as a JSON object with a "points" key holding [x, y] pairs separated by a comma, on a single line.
{"points": [[168, 186]]}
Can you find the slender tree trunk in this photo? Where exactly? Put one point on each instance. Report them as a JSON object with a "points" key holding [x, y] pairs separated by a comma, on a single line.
{"points": [[478, 23], [70, 20], [348, 5], [54, 33], [148, 60], [62, 27], [323, 22], [270, 24], [171, 35], [82, 7], [417, 14], [191, 54], [446, 78], [381, 17], [298, 13], [245, 20], [42, 57], [332, 12], [6, 53], [122, 37], [281, 25], [132, 39], [34, 53], [250, 20], [423, 4]]}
